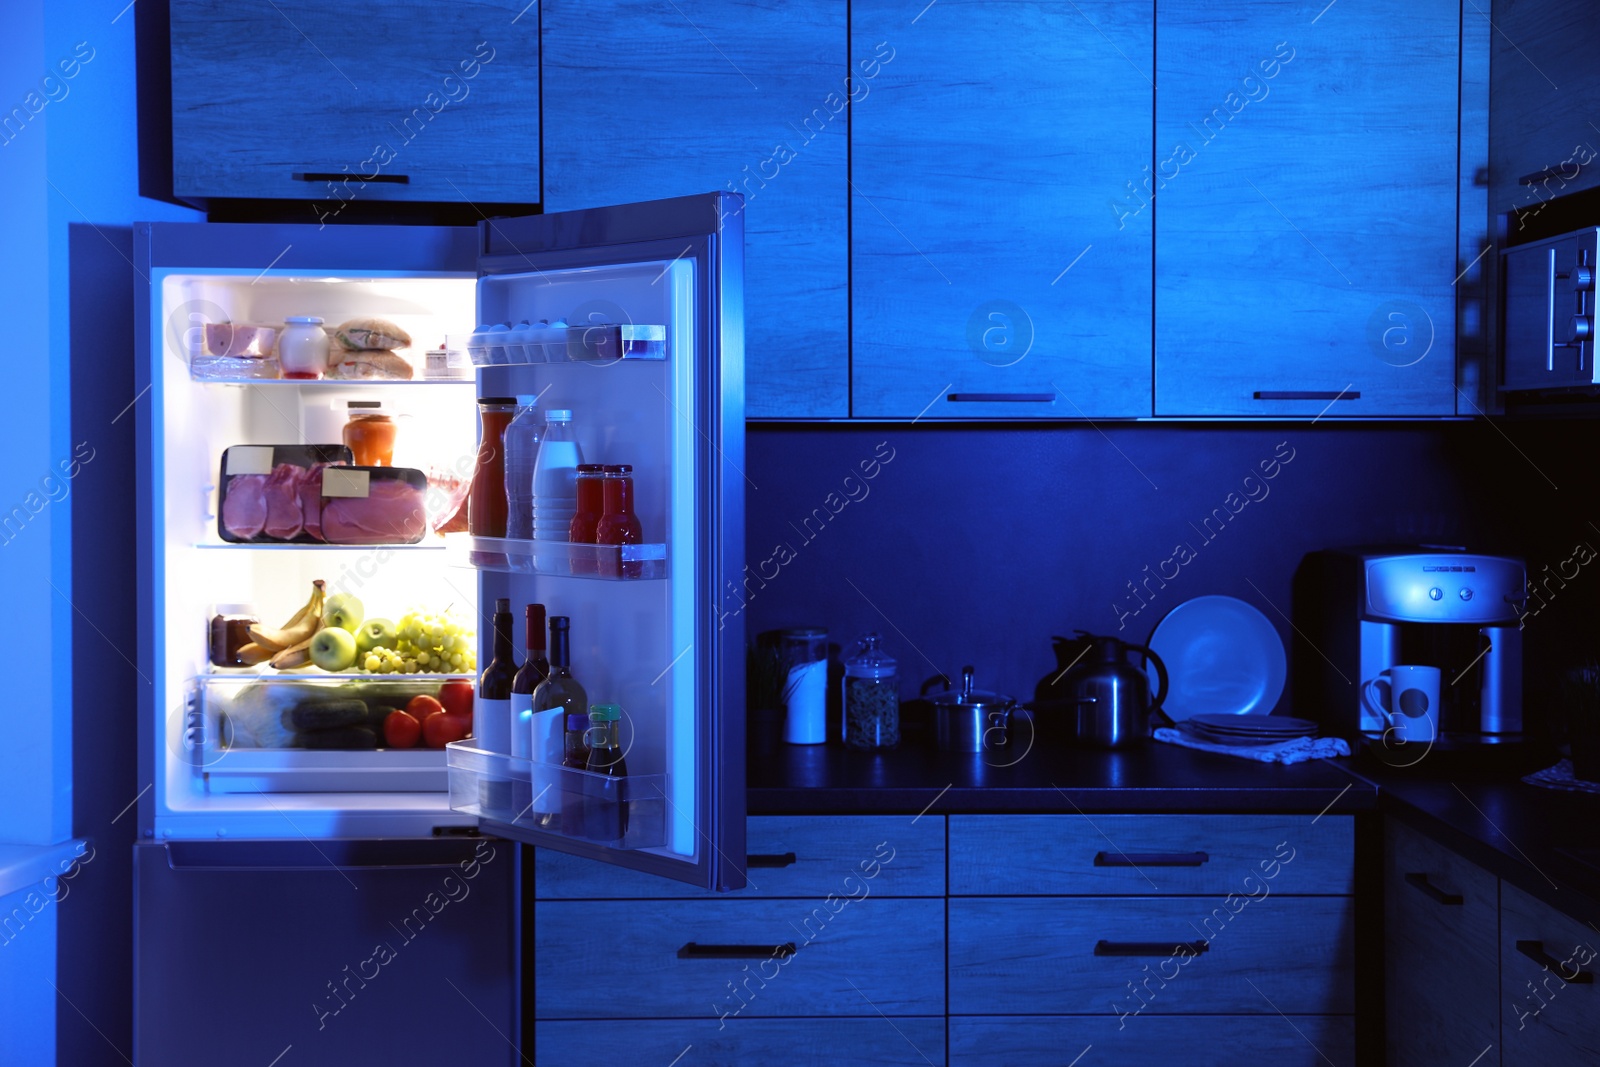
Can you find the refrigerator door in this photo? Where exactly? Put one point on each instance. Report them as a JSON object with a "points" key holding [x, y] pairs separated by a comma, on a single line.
{"points": [[645, 347], [334, 952]]}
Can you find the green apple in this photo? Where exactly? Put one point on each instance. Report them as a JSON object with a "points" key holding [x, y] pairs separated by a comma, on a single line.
{"points": [[333, 648], [376, 633], [344, 611]]}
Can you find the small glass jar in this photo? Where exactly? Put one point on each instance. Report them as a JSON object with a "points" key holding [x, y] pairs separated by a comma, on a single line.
{"points": [[303, 347], [229, 632], [871, 698], [805, 687], [369, 435]]}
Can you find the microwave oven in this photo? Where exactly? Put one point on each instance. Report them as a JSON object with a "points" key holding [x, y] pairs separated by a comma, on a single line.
{"points": [[1548, 323]]}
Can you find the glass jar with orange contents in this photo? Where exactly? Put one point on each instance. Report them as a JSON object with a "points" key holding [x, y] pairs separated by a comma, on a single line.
{"points": [[369, 435]]}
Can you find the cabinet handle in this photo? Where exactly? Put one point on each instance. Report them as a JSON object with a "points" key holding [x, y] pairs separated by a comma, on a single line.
{"points": [[1150, 859], [1306, 394], [693, 951], [1544, 175], [1534, 950], [1148, 948], [1422, 883], [1000, 398], [769, 859], [344, 176]]}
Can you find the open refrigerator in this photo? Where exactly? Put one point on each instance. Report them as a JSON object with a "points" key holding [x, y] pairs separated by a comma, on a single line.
{"points": [[647, 351]]}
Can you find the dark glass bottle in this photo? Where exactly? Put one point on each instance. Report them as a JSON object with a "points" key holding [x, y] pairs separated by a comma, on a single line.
{"points": [[491, 712], [535, 669], [560, 690], [577, 742], [606, 808]]}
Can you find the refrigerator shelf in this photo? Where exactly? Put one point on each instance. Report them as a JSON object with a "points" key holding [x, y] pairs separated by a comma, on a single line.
{"points": [[342, 383], [261, 672], [624, 813], [298, 770], [567, 344], [432, 544], [562, 558]]}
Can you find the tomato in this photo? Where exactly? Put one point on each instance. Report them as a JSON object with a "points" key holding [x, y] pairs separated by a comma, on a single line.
{"points": [[421, 707], [456, 696], [401, 730], [440, 728]]}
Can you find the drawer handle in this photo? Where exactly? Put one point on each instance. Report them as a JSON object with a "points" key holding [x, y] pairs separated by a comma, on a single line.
{"points": [[769, 859], [1150, 859], [1534, 950], [1307, 394], [344, 176], [1000, 398], [693, 951], [1148, 948], [1422, 883]]}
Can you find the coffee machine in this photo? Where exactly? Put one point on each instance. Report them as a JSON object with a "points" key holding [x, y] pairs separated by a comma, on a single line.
{"points": [[1358, 611]]}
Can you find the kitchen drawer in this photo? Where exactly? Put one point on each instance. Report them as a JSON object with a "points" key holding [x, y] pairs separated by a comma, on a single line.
{"points": [[879, 1041], [627, 959], [1546, 1020], [1441, 952], [792, 856], [1047, 955], [1150, 854], [1153, 1041]]}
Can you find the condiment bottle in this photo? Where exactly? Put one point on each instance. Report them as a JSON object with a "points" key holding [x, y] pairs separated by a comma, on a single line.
{"points": [[605, 812], [369, 434], [303, 347], [871, 698], [486, 502], [590, 506], [618, 525]]}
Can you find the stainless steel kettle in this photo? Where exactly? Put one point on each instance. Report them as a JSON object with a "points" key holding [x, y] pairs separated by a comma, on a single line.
{"points": [[1110, 696]]}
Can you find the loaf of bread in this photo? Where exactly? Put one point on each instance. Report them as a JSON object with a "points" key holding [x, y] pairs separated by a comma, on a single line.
{"points": [[359, 334]]}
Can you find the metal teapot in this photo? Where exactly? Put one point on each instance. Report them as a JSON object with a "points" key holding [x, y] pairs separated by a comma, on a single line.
{"points": [[1108, 697]]}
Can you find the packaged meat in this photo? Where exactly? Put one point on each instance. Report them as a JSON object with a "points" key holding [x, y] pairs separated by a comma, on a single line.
{"points": [[374, 506], [239, 339], [272, 493]]}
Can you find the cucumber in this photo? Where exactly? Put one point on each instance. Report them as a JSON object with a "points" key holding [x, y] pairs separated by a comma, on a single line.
{"points": [[342, 737], [327, 714]]}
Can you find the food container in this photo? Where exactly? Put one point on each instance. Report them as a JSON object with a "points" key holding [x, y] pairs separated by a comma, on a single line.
{"points": [[971, 720], [238, 339], [272, 493], [871, 698], [373, 505], [303, 347], [369, 434], [230, 631], [805, 689]]}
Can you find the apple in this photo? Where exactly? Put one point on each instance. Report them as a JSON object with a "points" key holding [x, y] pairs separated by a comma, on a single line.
{"points": [[456, 697], [343, 610], [376, 633], [333, 649], [440, 728]]}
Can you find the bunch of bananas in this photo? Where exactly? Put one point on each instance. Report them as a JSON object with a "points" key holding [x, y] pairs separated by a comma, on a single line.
{"points": [[289, 645]]}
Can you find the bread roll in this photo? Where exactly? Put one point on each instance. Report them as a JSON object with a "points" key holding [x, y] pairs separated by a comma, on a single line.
{"points": [[371, 363], [360, 334]]}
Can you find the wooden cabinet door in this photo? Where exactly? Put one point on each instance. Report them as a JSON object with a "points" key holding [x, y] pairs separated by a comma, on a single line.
{"points": [[1549, 984], [360, 99], [991, 276], [647, 100], [1441, 954], [1305, 201]]}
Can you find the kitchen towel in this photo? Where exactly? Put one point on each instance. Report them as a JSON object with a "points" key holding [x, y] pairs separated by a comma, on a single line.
{"points": [[1561, 777], [1294, 751]]}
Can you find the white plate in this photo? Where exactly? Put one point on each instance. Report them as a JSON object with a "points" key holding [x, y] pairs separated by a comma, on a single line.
{"points": [[1223, 657]]}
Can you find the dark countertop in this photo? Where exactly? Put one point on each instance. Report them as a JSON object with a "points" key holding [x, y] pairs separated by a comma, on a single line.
{"points": [[1155, 778]]}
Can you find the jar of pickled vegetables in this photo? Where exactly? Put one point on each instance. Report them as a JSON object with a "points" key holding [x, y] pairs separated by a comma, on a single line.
{"points": [[871, 699]]}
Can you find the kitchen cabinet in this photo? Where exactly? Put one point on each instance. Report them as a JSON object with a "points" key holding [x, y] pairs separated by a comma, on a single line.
{"points": [[1305, 192], [1441, 953], [991, 276], [647, 100], [1549, 996], [365, 100]]}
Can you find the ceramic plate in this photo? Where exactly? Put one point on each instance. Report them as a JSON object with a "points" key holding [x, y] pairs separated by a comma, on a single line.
{"points": [[1223, 657]]}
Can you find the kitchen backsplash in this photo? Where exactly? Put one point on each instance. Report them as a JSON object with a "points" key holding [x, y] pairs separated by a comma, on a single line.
{"points": [[975, 544]]}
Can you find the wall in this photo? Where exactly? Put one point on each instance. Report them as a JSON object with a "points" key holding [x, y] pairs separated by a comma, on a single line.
{"points": [[974, 545]]}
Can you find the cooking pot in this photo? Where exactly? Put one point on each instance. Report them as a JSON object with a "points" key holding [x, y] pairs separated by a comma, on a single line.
{"points": [[971, 720]]}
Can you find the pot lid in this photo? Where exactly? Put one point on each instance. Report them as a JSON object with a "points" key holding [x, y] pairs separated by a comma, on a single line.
{"points": [[967, 696]]}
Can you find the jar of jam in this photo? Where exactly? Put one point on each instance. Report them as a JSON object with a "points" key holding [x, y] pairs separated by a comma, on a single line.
{"points": [[230, 631], [369, 435]]}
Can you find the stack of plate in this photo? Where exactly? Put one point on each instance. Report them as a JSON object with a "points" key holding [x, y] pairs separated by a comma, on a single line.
{"points": [[1246, 730]]}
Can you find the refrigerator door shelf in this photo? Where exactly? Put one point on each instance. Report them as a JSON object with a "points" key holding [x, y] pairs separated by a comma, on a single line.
{"points": [[595, 343], [511, 794], [558, 558]]}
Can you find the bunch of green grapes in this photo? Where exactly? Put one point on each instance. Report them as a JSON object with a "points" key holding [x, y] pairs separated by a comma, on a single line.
{"points": [[437, 643]]}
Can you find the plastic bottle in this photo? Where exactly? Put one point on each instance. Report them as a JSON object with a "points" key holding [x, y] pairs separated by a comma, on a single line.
{"points": [[555, 478], [521, 445]]}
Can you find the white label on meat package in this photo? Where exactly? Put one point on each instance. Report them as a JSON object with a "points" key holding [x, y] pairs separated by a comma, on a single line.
{"points": [[249, 459], [336, 482]]}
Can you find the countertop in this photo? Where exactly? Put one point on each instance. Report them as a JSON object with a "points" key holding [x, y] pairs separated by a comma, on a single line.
{"points": [[1157, 777]]}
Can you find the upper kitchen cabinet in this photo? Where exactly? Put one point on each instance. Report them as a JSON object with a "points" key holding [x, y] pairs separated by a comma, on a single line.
{"points": [[995, 272], [644, 100], [1305, 192], [359, 100]]}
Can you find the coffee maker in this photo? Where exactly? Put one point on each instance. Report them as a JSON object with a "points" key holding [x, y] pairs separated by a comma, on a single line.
{"points": [[1360, 610]]}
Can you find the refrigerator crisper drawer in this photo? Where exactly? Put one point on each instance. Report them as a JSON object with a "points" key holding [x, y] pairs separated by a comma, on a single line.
{"points": [[254, 733], [623, 813]]}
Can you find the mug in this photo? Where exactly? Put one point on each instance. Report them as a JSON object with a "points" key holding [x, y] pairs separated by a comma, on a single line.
{"points": [[1412, 701]]}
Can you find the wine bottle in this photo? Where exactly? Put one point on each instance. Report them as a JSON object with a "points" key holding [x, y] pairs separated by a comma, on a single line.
{"points": [[535, 669], [553, 699], [491, 713]]}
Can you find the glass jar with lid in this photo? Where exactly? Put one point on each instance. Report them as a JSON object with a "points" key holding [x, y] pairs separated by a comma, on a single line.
{"points": [[871, 699]]}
